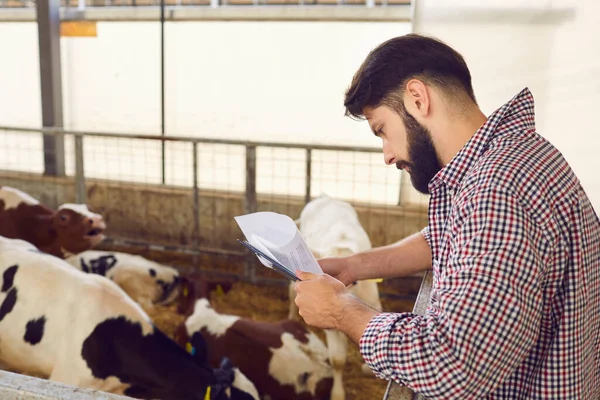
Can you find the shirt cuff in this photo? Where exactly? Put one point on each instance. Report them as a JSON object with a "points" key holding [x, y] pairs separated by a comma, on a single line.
{"points": [[426, 235], [373, 344]]}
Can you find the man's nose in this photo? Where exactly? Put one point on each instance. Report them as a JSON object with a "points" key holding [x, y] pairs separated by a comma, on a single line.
{"points": [[389, 158]]}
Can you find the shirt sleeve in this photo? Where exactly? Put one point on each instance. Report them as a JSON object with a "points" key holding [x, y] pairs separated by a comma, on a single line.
{"points": [[485, 309], [426, 235]]}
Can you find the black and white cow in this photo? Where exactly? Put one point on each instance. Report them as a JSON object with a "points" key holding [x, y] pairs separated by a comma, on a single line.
{"points": [[145, 281], [83, 330]]}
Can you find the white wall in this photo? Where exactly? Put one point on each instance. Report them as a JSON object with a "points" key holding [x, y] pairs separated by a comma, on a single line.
{"points": [[280, 81], [267, 81], [284, 81], [552, 47]]}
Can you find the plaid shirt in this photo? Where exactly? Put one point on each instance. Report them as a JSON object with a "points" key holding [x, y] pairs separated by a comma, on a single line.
{"points": [[515, 305]]}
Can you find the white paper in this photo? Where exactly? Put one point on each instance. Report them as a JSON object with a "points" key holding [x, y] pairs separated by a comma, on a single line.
{"points": [[278, 236]]}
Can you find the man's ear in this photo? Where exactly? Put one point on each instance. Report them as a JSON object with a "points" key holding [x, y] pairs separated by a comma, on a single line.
{"points": [[416, 98]]}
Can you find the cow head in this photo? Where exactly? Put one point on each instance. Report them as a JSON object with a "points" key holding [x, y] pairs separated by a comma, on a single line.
{"points": [[231, 383], [195, 286], [144, 280], [78, 229]]}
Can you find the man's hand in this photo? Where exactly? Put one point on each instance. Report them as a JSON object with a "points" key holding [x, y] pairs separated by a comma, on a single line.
{"points": [[337, 267], [324, 302], [320, 299]]}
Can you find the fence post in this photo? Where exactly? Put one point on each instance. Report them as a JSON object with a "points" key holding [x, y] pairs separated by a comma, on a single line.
{"points": [[250, 205], [308, 175], [196, 234], [405, 188], [48, 24], [80, 189]]}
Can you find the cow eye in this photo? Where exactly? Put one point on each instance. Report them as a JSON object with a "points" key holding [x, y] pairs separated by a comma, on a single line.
{"points": [[303, 379], [63, 217]]}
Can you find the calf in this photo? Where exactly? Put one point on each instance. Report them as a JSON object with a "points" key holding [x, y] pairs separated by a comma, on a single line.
{"points": [[331, 228], [284, 360], [69, 230], [83, 330], [194, 286], [145, 281]]}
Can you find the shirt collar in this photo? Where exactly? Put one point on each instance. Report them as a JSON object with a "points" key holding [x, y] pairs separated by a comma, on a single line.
{"points": [[516, 115]]}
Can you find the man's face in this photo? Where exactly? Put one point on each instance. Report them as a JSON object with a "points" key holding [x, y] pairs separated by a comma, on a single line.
{"points": [[406, 143]]}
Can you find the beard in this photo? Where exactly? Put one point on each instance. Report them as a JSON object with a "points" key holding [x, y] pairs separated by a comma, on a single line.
{"points": [[423, 161]]}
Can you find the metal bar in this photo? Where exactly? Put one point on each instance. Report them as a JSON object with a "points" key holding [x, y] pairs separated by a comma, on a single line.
{"points": [[308, 175], [162, 86], [395, 391], [405, 188], [196, 234], [250, 204], [196, 139], [17, 386], [80, 189], [48, 21]]}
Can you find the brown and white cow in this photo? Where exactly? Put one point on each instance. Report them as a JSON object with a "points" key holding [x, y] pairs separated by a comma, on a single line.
{"points": [[331, 228], [83, 330], [71, 229], [145, 281], [284, 360]]}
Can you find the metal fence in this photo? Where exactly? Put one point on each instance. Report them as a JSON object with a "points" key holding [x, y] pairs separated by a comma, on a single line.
{"points": [[212, 3], [180, 193]]}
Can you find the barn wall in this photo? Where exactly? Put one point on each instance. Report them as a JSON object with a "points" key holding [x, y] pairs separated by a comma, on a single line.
{"points": [[164, 215], [259, 80], [551, 47]]}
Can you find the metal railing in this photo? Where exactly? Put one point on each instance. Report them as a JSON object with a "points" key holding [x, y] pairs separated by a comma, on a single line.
{"points": [[82, 4], [249, 189]]}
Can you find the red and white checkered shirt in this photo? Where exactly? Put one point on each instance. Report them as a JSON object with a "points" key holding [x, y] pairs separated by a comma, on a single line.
{"points": [[515, 305]]}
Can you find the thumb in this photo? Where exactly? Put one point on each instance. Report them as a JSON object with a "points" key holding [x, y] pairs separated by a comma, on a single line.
{"points": [[305, 276]]}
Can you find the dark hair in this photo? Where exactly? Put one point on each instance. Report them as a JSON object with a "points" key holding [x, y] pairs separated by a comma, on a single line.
{"points": [[382, 76]]}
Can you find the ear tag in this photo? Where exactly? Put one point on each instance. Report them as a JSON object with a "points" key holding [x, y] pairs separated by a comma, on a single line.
{"points": [[190, 349]]}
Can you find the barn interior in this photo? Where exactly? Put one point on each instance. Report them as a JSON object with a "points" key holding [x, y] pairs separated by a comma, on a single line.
{"points": [[170, 118]]}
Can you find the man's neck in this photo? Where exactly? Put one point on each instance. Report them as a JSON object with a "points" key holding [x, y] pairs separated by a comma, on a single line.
{"points": [[456, 132]]}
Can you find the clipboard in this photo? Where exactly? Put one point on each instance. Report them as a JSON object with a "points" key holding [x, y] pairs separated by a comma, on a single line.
{"points": [[277, 266]]}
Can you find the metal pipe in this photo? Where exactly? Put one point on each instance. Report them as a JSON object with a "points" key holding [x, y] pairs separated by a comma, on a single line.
{"points": [[190, 139], [80, 190], [308, 175], [250, 202], [162, 86], [196, 234], [48, 23]]}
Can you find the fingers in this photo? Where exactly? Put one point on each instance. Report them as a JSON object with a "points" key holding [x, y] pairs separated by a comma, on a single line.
{"points": [[305, 276]]}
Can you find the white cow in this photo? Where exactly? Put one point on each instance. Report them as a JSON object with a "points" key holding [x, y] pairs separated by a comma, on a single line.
{"points": [[145, 281], [83, 330], [331, 228]]}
